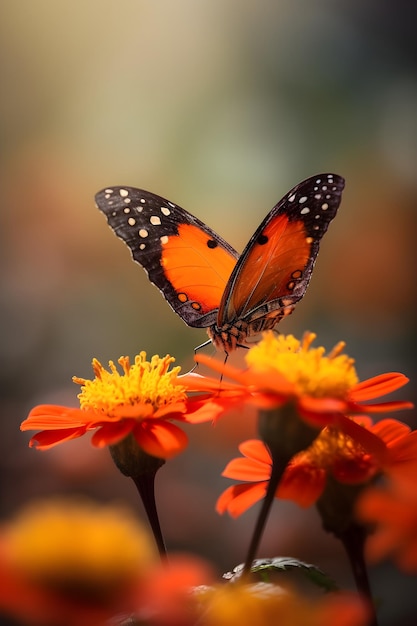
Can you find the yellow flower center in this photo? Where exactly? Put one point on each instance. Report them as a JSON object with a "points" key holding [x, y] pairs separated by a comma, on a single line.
{"points": [[68, 543], [334, 446], [143, 382], [311, 372]]}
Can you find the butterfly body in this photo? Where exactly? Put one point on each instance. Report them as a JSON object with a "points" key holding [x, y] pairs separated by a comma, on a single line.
{"points": [[204, 279]]}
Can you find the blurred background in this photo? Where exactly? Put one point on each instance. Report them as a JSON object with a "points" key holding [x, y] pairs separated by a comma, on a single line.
{"points": [[221, 107]]}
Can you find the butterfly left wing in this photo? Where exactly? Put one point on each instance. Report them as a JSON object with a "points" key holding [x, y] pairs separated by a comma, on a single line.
{"points": [[275, 268], [182, 256]]}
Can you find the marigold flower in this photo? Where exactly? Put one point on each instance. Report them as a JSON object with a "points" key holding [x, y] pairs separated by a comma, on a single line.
{"points": [[322, 387], [264, 604], [72, 562], [140, 401], [393, 509], [391, 448]]}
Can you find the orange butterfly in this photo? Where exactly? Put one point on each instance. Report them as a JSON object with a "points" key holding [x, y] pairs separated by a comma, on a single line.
{"points": [[204, 279]]}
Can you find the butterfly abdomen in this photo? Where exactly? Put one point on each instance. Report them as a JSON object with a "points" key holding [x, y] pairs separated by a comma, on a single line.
{"points": [[232, 335]]}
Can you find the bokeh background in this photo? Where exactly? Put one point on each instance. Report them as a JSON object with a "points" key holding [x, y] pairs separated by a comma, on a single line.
{"points": [[221, 107]]}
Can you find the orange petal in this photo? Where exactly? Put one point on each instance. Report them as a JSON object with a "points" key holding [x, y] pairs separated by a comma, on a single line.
{"points": [[247, 469], [196, 383], [160, 438], [385, 407], [49, 438], [302, 483], [110, 434], [238, 498], [206, 409], [52, 416], [403, 457], [255, 449], [390, 430], [343, 609], [378, 386], [222, 368], [322, 405]]}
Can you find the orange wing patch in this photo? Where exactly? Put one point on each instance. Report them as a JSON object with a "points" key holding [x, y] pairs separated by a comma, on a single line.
{"points": [[276, 264], [196, 266]]}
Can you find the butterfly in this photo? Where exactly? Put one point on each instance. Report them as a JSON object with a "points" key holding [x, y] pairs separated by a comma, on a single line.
{"points": [[206, 282]]}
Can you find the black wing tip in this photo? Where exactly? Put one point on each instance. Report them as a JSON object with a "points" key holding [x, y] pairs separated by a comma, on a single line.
{"points": [[111, 189]]}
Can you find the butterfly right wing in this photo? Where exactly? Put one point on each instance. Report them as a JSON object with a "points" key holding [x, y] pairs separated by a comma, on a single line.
{"points": [[183, 257]]}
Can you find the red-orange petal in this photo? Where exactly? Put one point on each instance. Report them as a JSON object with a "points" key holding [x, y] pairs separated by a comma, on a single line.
{"points": [[255, 449], [390, 430], [224, 369], [49, 438], [206, 409], [302, 483], [402, 460], [247, 469], [378, 386], [384, 407], [194, 382], [110, 434], [52, 416], [238, 498], [160, 438]]}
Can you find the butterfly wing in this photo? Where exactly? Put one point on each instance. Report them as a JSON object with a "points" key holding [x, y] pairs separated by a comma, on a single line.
{"points": [[275, 268], [184, 258]]}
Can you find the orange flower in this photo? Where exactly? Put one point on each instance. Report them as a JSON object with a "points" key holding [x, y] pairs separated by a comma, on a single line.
{"points": [[390, 447], [72, 562], [393, 510], [322, 387], [141, 401]]}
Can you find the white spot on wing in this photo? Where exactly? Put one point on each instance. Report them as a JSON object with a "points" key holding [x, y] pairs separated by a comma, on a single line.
{"points": [[305, 210], [164, 239], [155, 220], [324, 206], [108, 190], [126, 210], [131, 221], [142, 246], [291, 198], [124, 193], [302, 199], [143, 233], [165, 210]]}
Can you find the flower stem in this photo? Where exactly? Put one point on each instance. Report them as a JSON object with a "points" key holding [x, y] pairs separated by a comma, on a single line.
{"points": [[145, 484], [141, 467], [276, 473], [353, 539]]}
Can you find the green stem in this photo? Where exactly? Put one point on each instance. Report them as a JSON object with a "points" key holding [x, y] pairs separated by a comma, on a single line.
{"points": [[145, 484], [353, 539], [276, 473]]}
